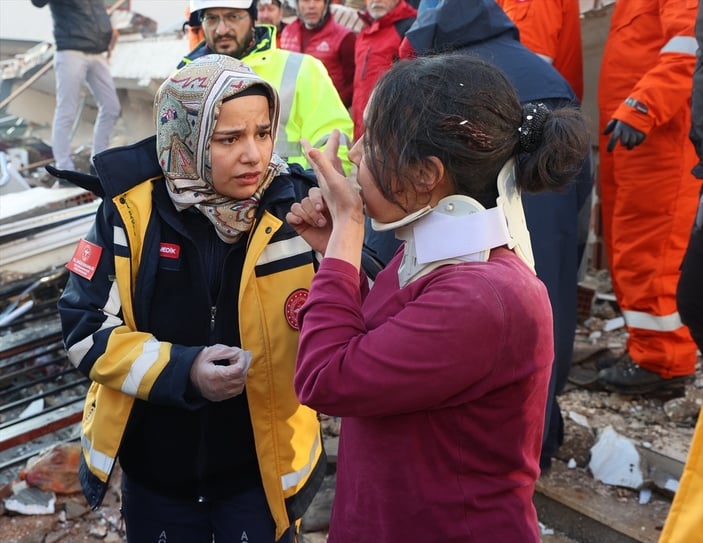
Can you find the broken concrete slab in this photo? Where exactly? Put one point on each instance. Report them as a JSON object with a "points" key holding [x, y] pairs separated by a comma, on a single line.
{"points": [[27, 500]]}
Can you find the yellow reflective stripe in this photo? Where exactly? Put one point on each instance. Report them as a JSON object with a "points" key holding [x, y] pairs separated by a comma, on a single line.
{"points": [[294, 478], [143, 363], [681, 44], [96, 459], [283, 249], [645, 321]]}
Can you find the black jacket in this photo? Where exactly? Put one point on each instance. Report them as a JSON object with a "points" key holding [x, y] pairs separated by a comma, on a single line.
{"points": [[79, 25]]}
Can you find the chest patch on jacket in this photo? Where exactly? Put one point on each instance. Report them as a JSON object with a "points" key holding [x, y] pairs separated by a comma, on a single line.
{"points": [[85, 259], [169, 250], [294, 302], [169, 256]]}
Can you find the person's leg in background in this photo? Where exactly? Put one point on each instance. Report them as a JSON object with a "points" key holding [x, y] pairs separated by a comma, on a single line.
{"points": [[102, 85], [552, 222], [70, 70]]}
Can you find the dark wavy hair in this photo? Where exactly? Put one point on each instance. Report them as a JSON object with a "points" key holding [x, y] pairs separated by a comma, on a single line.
{"points": [[465, 112]]}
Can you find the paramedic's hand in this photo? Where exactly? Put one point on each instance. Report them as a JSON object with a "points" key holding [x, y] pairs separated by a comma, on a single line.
{"points": [[224, 379], [627, 136]]}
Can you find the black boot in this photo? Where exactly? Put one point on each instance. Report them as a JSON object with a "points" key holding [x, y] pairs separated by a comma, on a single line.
{"points": [[626, 377]]}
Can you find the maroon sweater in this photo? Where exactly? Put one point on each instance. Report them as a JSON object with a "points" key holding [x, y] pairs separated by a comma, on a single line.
{"points": [[442, 386]]}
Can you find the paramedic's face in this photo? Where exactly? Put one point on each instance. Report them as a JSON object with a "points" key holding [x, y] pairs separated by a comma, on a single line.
{"points": [[241, 146], [228, 31], [379, 8]]}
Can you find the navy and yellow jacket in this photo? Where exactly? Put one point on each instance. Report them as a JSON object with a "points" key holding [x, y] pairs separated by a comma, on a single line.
{"points": [[135, 327]]}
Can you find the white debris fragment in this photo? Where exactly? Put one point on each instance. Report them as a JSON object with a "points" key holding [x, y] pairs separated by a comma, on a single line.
{"points": [[572, 463], [645, 496], [672, 485], [544, 530], [613, 324], [34, 408], [579, 419], [615, 460]]}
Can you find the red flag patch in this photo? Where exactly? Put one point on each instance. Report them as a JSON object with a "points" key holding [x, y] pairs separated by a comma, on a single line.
{"points": [[85, 259]]}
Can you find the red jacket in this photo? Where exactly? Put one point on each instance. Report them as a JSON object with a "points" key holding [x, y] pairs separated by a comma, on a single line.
{"points": [[376, 49], [333, 44]]}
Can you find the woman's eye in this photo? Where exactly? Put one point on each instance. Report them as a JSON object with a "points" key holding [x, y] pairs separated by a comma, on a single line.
{"points": [[264, 134]]}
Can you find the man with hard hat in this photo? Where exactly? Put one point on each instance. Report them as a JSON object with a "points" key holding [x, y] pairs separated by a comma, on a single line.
{"points": [[310, 104], [271, 13], [317, 33]]}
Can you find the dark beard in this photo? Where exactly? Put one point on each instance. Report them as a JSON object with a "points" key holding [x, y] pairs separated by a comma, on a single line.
{"points": [[242, 48]]}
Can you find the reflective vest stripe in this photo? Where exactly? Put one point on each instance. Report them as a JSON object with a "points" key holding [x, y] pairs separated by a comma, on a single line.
{"points": [[681, 44], [343, 140], [645, 321], [283, 249], [79, 349], [286, 93], [294, 478], [97, 459], [286, 149], [150, 354]]}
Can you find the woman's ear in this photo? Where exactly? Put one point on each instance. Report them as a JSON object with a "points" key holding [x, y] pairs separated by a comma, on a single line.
{"points": [[429, 174]]}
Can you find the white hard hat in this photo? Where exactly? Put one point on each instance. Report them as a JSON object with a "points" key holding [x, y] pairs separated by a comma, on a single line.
{"points": [[196, 5]]}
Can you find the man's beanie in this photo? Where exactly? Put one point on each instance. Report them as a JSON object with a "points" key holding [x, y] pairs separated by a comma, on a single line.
{"points": [[249, 5]]}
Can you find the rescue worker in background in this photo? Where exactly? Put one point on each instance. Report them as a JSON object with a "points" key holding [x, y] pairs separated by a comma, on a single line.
{"points": [[385, 25], [685, 520], [552, 29], [271, 13], [648, 194], [316, 33], [310, 104], [193, 28]]}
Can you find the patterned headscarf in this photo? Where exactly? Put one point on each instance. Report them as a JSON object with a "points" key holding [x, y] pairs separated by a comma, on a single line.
{"points": [[186, 109]]}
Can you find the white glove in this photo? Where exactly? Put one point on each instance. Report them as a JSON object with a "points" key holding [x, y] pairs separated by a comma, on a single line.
{"points": [[220, 382]]}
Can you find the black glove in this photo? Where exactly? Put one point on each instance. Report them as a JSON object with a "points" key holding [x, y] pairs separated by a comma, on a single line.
{"points": [[629, 137]]}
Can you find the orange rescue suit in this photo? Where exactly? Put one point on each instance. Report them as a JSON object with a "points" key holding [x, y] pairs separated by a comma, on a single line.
{"points": [[648, 194], [552, 29]]}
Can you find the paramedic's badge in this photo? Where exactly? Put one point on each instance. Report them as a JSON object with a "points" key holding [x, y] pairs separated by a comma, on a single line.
{"points": [[85, 259], [293, 304]]}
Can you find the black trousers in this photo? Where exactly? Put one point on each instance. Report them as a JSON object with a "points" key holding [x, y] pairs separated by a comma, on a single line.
{"points": [[689, 292], [153, 518]]}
